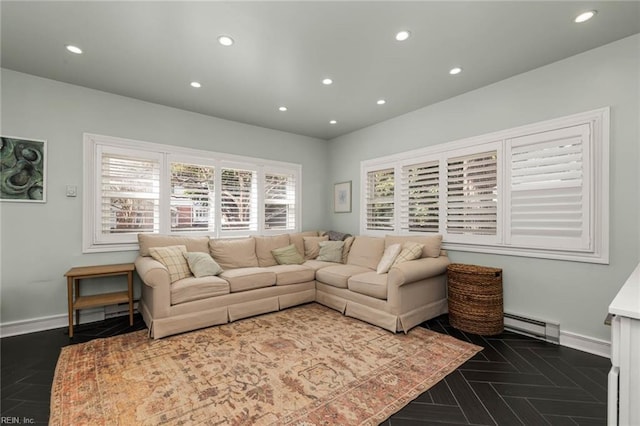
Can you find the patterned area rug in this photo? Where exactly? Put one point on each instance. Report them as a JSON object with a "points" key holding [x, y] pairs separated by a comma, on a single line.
{"points": [[307, 365]]}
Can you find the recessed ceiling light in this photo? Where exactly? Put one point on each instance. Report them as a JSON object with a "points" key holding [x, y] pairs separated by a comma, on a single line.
{"points": [[327, 81], [74, 49], [225, 40], [456, 70], [403, 35], [332, 122], [196, 84], [381, 102], [282, 108], [585, 16]]}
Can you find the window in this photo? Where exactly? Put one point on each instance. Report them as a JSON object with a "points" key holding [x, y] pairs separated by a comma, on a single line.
{"points": [[472, 197], [135, 187], [192, 197], [419, 200], [380, 200], [280, 201], [539, 190], [129, 186], [548, 202], [239, 200]]}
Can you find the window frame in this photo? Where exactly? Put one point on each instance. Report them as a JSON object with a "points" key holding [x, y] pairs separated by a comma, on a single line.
{"points": [[597, 181], [93, 241]]}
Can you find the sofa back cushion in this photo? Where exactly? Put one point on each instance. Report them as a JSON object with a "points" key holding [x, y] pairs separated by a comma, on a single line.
{"points": [[264, 245], [298, 241], [146, 241], [234, 253], [312, 246], [431, 243], [366, 251]]}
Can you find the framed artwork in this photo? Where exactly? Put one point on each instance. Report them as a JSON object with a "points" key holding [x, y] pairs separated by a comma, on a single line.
{"points": [[23, 170], [342, 197]]}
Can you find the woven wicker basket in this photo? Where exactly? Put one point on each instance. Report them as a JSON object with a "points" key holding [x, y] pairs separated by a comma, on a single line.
{"points": [[475, 299]]}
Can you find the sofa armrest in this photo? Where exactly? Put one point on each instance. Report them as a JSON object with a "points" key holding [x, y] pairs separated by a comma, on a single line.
{"points": [[416, 270], [156, 288], [152, 272]]}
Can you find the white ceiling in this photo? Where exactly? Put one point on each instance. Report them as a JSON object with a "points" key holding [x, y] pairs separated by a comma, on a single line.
{"points": [[153, 50]]}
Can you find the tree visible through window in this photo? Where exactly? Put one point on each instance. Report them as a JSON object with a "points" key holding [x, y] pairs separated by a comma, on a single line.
{"points": [[192, 197]]}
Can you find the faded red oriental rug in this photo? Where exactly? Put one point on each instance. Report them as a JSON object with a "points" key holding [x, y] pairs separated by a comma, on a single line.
{"points": [[307, 365]]}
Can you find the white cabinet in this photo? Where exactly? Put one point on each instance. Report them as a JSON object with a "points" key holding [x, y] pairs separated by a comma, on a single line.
{"points": [[624, 377]]}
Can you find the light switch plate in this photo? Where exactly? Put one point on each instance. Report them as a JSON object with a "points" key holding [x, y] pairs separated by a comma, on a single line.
{"points": [[72, 191]]}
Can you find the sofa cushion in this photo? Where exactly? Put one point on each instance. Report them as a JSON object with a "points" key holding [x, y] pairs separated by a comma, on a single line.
{"points": [[297, 239], [172, 257], [248, 278], [288, 255], [146, 241], [338, 275], [335, 235], [292, 274], [312, 246], [366, 252], [431, 243], [389, 256], [330, 251], [410, 251], [348, 242], [264, 245], [202, 264], [370, 284], [317, 264], [234, 253], [189, 289]]}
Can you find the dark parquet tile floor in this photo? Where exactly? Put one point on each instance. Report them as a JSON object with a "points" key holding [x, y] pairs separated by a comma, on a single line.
{"points": [[515, 380]]}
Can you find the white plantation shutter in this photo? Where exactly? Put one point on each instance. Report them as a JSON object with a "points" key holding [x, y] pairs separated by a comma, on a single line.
{"points": [[380, 200], [192, 197], [549, 189], [472, 195], [280, 201], [239, 200], [419, 197], [129, 194]]}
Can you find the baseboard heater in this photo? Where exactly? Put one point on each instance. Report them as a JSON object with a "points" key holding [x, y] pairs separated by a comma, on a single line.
{"points": [[112, 311], [539, 329]]}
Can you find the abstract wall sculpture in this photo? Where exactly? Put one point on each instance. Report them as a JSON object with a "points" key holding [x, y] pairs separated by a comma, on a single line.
{"points": [[23, 170]]}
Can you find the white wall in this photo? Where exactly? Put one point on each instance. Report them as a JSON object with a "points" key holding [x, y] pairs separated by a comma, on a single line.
{"points": [[575, 294], [40, 242]]}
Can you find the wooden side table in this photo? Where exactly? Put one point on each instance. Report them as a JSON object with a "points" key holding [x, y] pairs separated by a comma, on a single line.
{"points": [[76, 302]]}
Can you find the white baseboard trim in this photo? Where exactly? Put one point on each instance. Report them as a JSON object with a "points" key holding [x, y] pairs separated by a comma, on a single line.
{"points": [[585, 344], [16, 328]]}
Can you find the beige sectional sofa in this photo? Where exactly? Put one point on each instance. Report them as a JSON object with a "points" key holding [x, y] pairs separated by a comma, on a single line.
{"points": [[252, 281]]}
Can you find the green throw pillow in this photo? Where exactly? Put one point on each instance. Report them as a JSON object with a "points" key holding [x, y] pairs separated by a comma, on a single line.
{"points": [[288, 255], [331, 251], [201, 264]]}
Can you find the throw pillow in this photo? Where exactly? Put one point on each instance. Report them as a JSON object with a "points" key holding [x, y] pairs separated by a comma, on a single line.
{"points": [[330, 251], [202, 265], [172, 258], [311, 247], [389, 256], [288, 255], [347, 247], [410, 251], [336, 236]]}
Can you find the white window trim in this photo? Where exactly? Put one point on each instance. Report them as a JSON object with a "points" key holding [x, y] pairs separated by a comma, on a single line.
{"points": [[170, 153], [599, 121]]}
